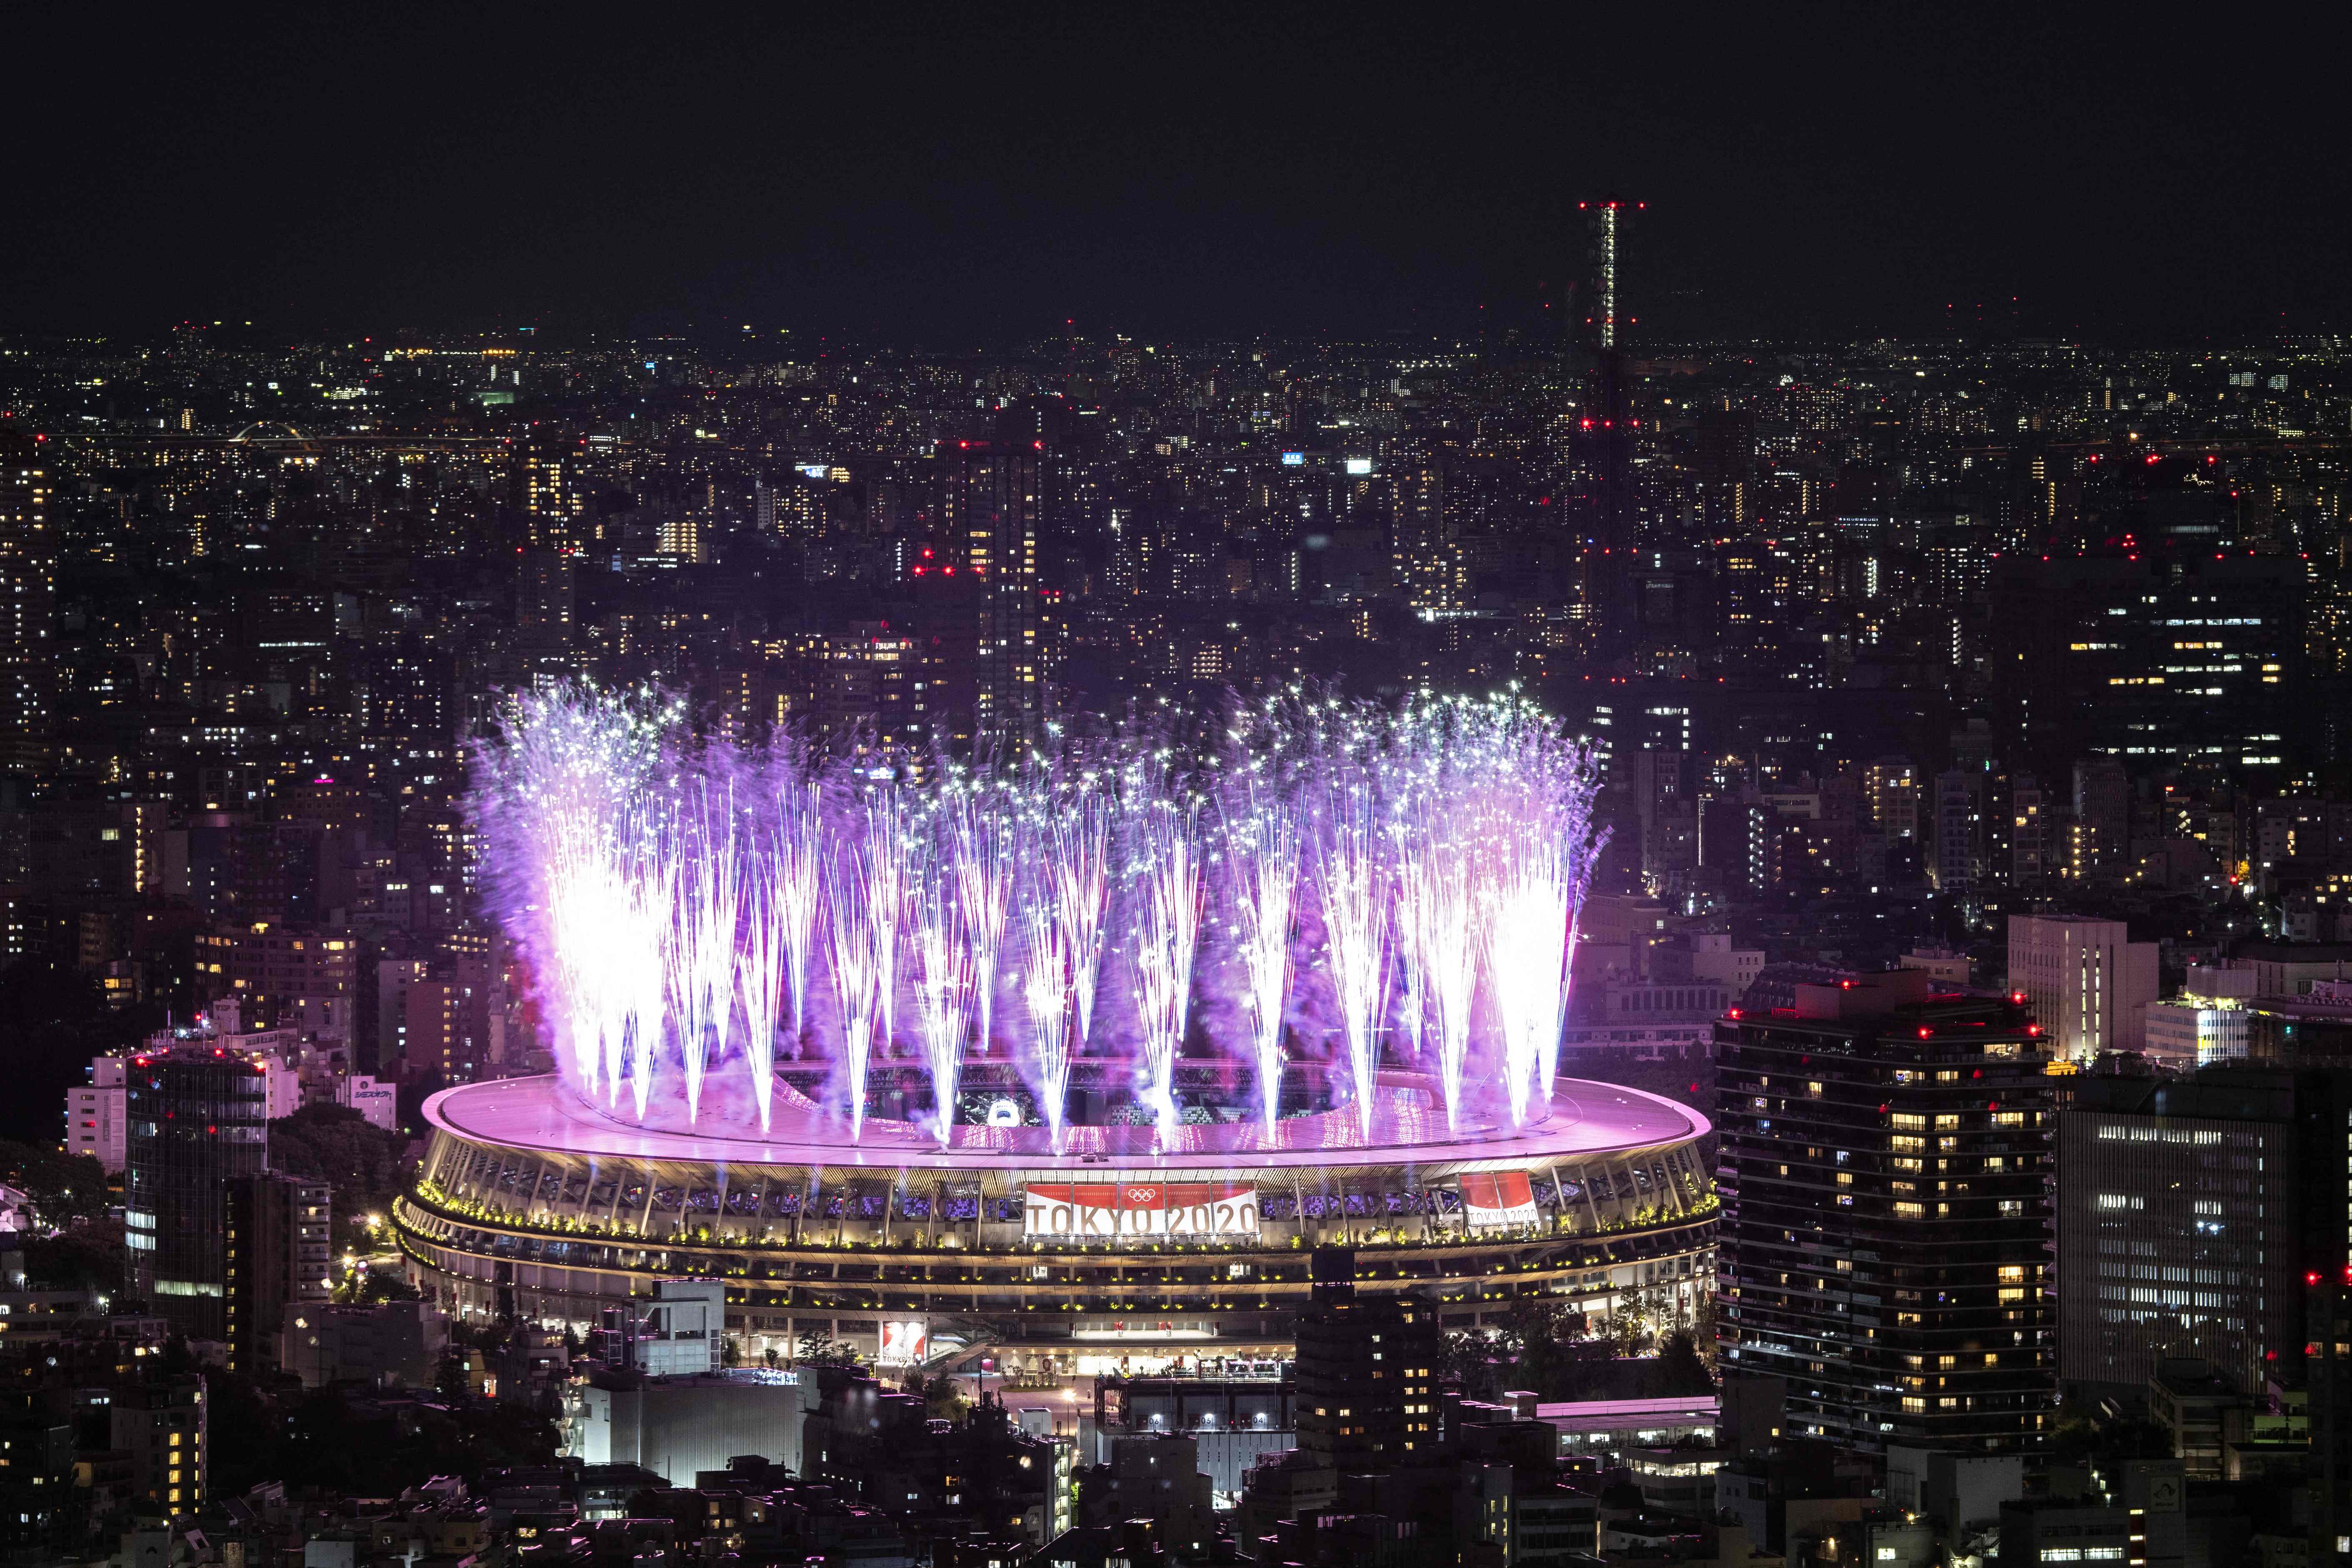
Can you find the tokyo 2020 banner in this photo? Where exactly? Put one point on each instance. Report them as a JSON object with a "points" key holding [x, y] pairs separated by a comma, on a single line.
{"points": [[1086, 1211]]}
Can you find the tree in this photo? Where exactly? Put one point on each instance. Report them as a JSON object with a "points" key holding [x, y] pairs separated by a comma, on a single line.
{"points": [[816, 1350], [366, 1166], [451, 1379], [88, 1258], [1628, 1325], [1703, 1324], [376, 1285], [1466, 1360], [942, 1397], [1679, 1366], [64, 1187]]}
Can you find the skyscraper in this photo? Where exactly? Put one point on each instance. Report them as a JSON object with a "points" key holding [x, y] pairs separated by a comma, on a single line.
{"points": [[2191, 1213], [552, 492], [1424, 558], [989, 520], [198, 1122], [1884, 1214], [29, 578], [1604, 431]]}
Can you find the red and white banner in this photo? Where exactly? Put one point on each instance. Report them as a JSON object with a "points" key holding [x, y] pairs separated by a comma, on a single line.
{"points": [[1498, 1200], [904, 1344], [1085, 1211]]}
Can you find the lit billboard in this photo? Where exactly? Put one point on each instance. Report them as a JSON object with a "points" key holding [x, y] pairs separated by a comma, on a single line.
{"points": [[1497, 1200], [903, 1344], [1089, 1211]]}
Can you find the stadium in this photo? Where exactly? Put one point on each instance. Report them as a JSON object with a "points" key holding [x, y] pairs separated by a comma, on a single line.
{"points": [[1116, 1250], [1068, 1067]]}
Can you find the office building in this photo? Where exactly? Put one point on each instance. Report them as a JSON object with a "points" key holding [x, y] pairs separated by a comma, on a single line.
{"points": [[2153, 659], [1885, 1212], [2066, 1530], [2088, 982], [28, 591], [2181, 1034], [2189, 1212], [374, 1098], [197, 1123]]}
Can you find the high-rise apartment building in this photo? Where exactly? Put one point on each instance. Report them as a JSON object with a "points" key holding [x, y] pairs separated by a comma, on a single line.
{"points": [[2103, 814], [2088, 982], [546, 601], [552, 491], [279, 1255], [2328, 1313], [1885, 1213], [284, 977], [1366, 1394], [198, 1122], [2189, 1213], [988, 516], [1960, 839], [28, 592], [1425, 566]]}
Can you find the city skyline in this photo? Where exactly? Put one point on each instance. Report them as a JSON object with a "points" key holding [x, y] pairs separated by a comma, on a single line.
{"points": [[1154, 790]]}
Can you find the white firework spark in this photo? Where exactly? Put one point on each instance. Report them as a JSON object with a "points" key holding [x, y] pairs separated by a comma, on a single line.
{"points": [[981, 847], [1261, 839], [1352, 892], [1046, 992], [943, 982], [857, 964], [705, 937], [1437, 909], [1168, 875]]}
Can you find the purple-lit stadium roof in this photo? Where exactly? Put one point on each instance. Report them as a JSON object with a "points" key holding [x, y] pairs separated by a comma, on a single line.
{"points": [[1586, 1118]]}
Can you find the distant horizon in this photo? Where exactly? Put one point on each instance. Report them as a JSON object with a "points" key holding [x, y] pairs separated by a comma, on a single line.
{"points": [[730, 343], [935, 175]]}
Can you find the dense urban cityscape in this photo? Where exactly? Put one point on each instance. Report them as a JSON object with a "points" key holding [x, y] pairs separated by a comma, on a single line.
{"points": [[1537, 943]]}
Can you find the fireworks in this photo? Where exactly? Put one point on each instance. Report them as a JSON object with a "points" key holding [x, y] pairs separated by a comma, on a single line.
{"points": [[1394, 888], [704, 938], [980, 849], [1167, 893], [1261, 839], [945, 966], [1435, 914], [860, 966], [1351, 894], [782, 896], [1075, 899]]}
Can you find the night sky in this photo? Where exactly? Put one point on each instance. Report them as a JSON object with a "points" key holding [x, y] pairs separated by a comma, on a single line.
{"points": [[973, 177]]}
